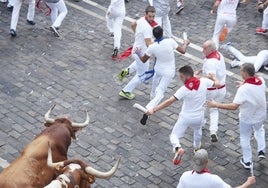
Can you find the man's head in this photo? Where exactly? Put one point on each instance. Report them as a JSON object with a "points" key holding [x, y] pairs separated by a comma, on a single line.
{"points": [[158, 32], [200, 160], [150, 13], [209, 47], [247, 70], [186, 72]]}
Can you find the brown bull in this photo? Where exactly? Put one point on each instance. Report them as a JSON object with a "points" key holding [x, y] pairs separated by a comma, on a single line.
{"points": [[76, 173], [30, 169]]}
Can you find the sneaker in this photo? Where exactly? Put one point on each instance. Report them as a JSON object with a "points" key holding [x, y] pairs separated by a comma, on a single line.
{"points": [[115, 52], [55, 31], [213, 138], [111, 34], [13, 33], [180, 8], [126, 95], [235, 63], [123, 74], [261, 155], [144, 119], [261, 30], [30, 22], [245, 165], [265, 67], [225, 46], [178, 155]]}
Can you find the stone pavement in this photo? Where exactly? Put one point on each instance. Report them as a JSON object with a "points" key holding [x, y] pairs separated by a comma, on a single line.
{"points": [[76, 73]]}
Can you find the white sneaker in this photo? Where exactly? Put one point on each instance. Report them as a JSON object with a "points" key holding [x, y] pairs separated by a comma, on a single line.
{"points": [[265, 67], [235, 63]]}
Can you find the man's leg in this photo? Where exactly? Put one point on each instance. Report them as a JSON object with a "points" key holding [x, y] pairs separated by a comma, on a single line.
{"points": [[259, 134], [245, 135]]}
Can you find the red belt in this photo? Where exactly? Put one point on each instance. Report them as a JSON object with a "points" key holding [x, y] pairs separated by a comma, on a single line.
{"points": [[214, 88]]}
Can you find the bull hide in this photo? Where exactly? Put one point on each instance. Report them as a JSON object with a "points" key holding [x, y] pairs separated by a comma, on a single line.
{"points": [[30, 169]]}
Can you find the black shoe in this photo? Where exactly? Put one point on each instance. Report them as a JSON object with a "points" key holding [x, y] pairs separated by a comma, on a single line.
{"points": [[13, 33], [10, 8], [55, 31], [213, 138], [180, 8], [30, 22], [127, 1], [111, 34], [261, 155], [247, 165], [115, 52], [144, 119]]}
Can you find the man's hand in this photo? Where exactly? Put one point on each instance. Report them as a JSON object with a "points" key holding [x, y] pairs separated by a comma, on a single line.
{"points": [[211, 104], [150, 112]]}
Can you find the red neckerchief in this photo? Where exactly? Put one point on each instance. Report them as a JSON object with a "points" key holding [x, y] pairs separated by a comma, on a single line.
{"points": [[192, 83], [205, 170], [253, 80], [215, 54], [152, 23]]}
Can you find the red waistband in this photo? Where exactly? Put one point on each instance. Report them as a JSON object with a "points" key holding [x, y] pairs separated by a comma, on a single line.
{"points": [[214, 88]]}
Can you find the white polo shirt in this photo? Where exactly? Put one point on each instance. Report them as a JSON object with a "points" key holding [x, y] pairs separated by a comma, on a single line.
{"points": [[193, 100], [252, 102], [204, 180], [143, 31], [215, 65], [165, 58]]}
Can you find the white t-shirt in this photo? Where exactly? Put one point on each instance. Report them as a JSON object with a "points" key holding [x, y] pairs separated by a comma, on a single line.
{"points": [[163, 51], [143, 31], [193, 100], [228, 7], [204, 180], [252, 102], [215, 66]]}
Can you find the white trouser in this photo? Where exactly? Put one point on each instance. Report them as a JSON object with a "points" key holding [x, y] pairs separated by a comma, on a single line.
{"points": [[181, 126], [58, 12], [114, 24], [160, 84], [16, 11], [245, 136], [164, 22], [217, 95], [221, 21], [258, 61], [140, 68], [265, 19]]}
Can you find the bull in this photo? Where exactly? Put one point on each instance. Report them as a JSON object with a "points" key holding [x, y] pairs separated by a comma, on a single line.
{"points": [[74, 173], [30, 169]]}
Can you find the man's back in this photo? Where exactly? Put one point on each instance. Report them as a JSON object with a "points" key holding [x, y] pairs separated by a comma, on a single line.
{"points": [[192, 179]]}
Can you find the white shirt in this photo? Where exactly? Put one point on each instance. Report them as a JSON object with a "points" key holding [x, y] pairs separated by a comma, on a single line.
{"points": [[163, 51], [193, 100], [228, 7], [215, 66], [143, 31], [252, 102], [204, 180]]}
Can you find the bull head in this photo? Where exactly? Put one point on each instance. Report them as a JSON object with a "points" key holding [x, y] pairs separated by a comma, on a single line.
{"points": [[73, 124], [87, 169]]}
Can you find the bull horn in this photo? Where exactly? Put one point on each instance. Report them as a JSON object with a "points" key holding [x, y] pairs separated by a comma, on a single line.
{"points": [[50, 161], [81, 125], [47, 118], [103, 175]]}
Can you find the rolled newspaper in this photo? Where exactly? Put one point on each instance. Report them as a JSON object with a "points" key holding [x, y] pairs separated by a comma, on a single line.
{"points": [[140, 107]]}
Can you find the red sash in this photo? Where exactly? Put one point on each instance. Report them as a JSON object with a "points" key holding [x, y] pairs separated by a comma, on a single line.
{"points": [[215, 54], [192, 83], [253, 80]]}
